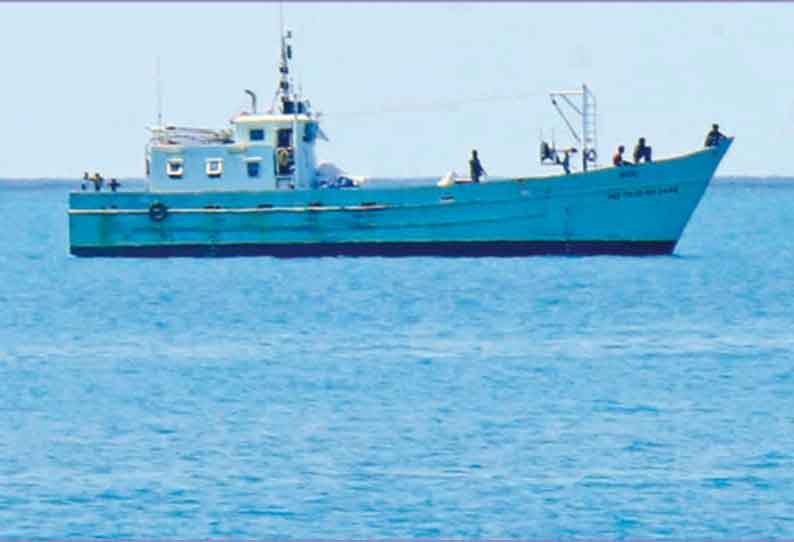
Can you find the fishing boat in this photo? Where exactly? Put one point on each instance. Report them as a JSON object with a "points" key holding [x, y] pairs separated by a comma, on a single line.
{"points": [[256, 188]]}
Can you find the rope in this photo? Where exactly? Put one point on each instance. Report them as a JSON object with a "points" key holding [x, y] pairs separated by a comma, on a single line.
{"points": [[433, 106]]}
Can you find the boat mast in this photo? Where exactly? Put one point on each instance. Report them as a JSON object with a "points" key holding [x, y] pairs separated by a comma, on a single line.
{"points": [[295, 101], [288, 103], [284, 93]]}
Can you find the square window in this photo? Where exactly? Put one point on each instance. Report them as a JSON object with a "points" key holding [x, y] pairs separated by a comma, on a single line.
{"points": [[174, 168], [256, 134], [285, 137], [214, 167], [253, 169]]}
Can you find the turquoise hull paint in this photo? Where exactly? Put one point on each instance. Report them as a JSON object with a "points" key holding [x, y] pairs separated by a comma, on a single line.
{"points": [[648, 203]]}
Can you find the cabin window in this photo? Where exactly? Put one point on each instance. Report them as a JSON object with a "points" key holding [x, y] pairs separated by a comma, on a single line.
{"points": [[174, 168], [256, 134], [214, 167], [252, 166], [285, 137]]}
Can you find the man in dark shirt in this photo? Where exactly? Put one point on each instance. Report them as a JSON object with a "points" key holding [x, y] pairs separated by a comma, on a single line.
{"points": [[566, 160], [98, 181], [714, 136], [475, 168], [642, 151]]}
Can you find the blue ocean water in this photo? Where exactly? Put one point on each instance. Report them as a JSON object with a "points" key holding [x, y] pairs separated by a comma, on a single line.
{"points": [[604, 397]]}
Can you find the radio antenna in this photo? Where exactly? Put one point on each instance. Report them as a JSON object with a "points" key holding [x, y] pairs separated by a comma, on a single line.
{"points": [[159, 94], [281, 17]]}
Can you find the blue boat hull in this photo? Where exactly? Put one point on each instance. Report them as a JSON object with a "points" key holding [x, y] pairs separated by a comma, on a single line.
{"points": [[640, 210]]}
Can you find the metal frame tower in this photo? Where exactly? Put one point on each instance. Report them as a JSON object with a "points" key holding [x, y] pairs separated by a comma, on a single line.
{"points": [[588, 137]]}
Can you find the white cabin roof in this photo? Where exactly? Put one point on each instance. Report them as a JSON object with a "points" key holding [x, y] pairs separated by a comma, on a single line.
{"points": [[271, 118]]}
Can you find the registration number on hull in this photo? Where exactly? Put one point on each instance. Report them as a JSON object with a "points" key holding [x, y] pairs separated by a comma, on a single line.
{"points": [[641, 192]]}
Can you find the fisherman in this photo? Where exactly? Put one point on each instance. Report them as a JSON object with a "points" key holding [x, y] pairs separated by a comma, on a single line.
{"points": [[475, 168], [84, 184], [114, 184], [566, 160], [618, 160], [98, 181], [714, 136], [642, 151]]}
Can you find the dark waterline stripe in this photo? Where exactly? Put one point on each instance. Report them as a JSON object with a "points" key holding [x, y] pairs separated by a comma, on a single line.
{"points": [[390, 250]]}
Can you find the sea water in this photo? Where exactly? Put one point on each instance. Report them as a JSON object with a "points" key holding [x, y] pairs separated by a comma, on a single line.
{"points": [[546, 397]]}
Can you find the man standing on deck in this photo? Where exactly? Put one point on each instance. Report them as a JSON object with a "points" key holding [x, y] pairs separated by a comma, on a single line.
{"points": [[475, 168], [566, 160], [98, 181]]}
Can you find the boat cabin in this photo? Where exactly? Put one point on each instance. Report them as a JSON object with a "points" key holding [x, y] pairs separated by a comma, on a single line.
{"points": [[259, 152], [274, 150]]}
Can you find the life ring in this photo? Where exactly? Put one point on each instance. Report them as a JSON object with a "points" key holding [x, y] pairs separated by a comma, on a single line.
{"points": [[591, 155], [283, 157], [158, 211]]}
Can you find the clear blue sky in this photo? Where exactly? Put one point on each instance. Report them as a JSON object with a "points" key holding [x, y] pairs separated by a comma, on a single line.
{"points": [[403, 86]]}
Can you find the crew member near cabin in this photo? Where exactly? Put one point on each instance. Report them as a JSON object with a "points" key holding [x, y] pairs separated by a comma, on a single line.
{"points": [[714, 136], [618, 160], [642, 151], [475, 168], [98, 181]]}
